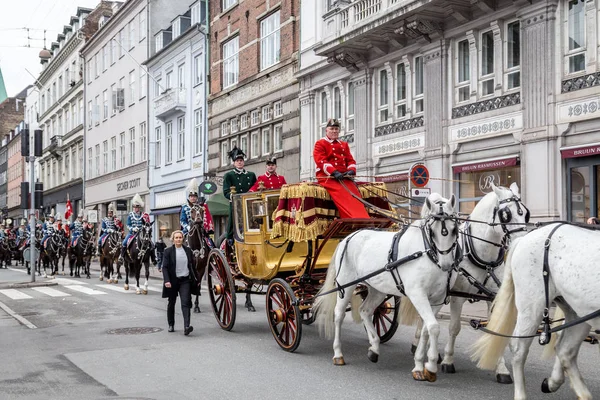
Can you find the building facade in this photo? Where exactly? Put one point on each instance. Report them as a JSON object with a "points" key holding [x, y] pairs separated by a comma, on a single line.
{"points": [[253, 101], [61, 112], [177, 114], [481, 92], [15, 174], [116, 96]]}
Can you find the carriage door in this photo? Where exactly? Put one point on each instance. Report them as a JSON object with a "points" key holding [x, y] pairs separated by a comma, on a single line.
{"points": [[583, 188]]}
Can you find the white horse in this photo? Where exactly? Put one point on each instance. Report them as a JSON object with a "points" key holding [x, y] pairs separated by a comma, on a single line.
{"points": [[483, 244], [574, 284], [425, 279]]}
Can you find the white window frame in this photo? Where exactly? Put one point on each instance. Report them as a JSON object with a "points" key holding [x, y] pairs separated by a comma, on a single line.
{"points": [[254, 117], [169, 142], [383, 96], [132, 34], [132, 87], [90, 171], [515, 70], [143, 25], [143, 142], [277, 138], [181, 76], [224, 153], [270, 43], [244, 121], [180, 138], [463, 77], [277, 109], [266, 113], [143, 83], [575, 52], [198, 122], [198, 69], [122, 150], [350, 107], [233, 124], [324, 111], [244, 143], [113, 51], [255, 144], [418, 84], [105, 156], [158, 148], [401, 102], [96, 160], [132, 146], [224, 128], [227, 4], [105, 104], [231, 69], [113, 153], [121, 44], [486, 78], [104, 57], [265, 136]]}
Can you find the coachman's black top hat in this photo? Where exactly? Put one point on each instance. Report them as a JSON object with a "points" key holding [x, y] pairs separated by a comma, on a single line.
{"points": [[333, 122], [272, 160], [236, 153]]}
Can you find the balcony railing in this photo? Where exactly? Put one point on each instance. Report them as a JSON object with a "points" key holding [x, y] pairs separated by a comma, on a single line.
{"points": [[346, 18], [171, 102]]}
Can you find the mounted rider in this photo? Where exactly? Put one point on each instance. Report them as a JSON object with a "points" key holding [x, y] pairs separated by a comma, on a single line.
{"points": [[76, 228], [49, 228], [2, 230], [109, 225], [135, 221], [185, 217], [22, 232]]}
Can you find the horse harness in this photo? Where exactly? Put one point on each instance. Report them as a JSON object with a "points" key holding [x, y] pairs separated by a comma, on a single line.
{"points": [[505, 215]]}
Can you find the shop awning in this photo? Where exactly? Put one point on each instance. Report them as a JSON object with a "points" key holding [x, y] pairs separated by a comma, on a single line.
{"points": [[486, 165], [169, 210], [218, 205], [580, 151]]}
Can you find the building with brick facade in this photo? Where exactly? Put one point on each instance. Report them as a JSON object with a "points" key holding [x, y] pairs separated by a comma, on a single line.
{"points": [[61, 111], [253, 102], [479, 91], [15, 173], [117, 101]]}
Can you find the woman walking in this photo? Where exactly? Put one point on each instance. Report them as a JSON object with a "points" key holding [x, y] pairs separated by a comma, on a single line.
{"points": [[180, 278]]}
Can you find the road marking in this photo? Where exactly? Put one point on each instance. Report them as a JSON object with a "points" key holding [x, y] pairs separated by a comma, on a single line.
{"points": [[67, 282], [15, 294], [51, 292], [17, 316], [131, 288], [18, 270], [85, 290]]}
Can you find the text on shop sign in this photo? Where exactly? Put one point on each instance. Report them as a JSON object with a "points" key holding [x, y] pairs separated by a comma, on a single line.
{"points": [[130, 184]]}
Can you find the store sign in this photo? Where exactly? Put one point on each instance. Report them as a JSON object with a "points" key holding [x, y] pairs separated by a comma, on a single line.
{"points": [[121, 205], [486, 165], [399, 145], [487, 127], [579, 109], [129, 184], [580, 152], [392, 178], [487, 179]]}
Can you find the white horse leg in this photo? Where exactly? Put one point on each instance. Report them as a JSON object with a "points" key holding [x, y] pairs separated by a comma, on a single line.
{"points": [[520, 348], [502, 372], [340, 314], [372, 301], [427, 313], [415, 341], [456, 305]]}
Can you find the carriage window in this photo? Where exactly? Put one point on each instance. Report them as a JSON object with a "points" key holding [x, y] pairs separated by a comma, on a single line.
{"points": [[272, 203], [254, 209], [238, 217]]}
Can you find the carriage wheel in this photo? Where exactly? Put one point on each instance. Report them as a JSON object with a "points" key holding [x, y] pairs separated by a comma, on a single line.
{"points": [[385, 317], [284, 316], [221, 289]]}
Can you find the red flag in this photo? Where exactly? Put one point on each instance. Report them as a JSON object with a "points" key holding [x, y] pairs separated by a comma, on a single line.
{"points": [[68, 210]]}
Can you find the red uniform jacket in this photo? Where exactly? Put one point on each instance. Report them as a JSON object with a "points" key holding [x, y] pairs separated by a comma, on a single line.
{"points": [[270, 181], [333, 155]]}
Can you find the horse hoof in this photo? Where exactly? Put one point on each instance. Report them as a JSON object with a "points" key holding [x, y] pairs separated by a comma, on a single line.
{"points": [[413, 350], [505, 379], [88, 276], [372, 356], [429, 376], [115, 281], [250, 308], [71, 274], [339, 361], [448, 369], [545, 386], [108, 280], [418, 376], [126, 287], [138, 291], [197, 310], [144, 291]]}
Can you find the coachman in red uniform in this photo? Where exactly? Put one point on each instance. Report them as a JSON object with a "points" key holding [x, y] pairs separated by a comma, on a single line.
{"points": [[270, 180], [336, 169]]}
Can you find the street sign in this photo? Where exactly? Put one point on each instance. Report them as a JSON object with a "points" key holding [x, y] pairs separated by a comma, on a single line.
{"points": [[27, 254], [422, 192], [208, 187], [419, 175]]}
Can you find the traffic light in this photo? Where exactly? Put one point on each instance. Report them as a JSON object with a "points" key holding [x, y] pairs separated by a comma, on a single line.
{"points": [[25, 143], [37, 143], [25, 195], [39, 194]]}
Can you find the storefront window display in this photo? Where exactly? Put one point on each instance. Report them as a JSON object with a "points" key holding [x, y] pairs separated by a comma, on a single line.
{"points": [[399, 194], [475, 182], [167, 223]]}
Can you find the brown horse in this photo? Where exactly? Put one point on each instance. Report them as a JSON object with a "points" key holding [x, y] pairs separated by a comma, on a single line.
{"points": [[80, 255], [111, 250], [200, 244], [5, 253], [138, 254]]}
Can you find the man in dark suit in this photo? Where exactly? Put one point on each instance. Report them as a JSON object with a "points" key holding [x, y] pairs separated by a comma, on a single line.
{"points": [[180, 279]]}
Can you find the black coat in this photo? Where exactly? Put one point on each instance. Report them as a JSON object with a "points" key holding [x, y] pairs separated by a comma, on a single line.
{"points": [[169, 270]]}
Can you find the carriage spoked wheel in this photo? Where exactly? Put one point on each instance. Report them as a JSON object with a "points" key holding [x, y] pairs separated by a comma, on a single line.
{"points": [[284, 316], [385, 317], [221, 289]]}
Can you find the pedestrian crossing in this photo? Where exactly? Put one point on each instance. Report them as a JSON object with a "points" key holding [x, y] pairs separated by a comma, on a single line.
{"points": [[67, 288]]}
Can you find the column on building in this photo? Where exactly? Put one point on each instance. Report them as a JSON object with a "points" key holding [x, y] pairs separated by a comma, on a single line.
{"points": [[308, 116], [434, 98], [362, 125]]}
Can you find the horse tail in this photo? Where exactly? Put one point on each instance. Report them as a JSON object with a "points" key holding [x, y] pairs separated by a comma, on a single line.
{"points": [[324, 306], [409, 315], [549, 349], [489, 348], [355, 302]]}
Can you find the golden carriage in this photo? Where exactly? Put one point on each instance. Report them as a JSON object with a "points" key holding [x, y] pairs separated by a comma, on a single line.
{"points": [[284, 239]]}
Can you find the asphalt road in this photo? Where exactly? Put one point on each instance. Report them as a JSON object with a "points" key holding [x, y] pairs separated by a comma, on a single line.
{"points": [[72, 354]]}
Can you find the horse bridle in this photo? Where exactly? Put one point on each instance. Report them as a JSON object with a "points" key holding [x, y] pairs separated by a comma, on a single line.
{"points": [[143, 236], [197, 229], [505, 214], [433, 252]]}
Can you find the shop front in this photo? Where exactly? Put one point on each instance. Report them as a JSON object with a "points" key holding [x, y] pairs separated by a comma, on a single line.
{"points": [[56, 198], [398, 189], [474, 180], [583, 181], [166, 209]]}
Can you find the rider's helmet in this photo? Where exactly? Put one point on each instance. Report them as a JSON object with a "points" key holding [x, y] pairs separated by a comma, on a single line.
{"points": [[192, 190], [137, 202], [80, 215], [111, 210], [23, 222]]}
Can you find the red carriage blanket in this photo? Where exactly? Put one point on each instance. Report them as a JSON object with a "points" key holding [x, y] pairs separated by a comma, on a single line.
{"points": [[305, 209]]}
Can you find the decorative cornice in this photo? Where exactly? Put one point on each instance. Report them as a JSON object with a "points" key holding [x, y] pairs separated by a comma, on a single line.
{"points": [[350, 60], [580, 82], [55, 63], [399, 126], [487, 105]]}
